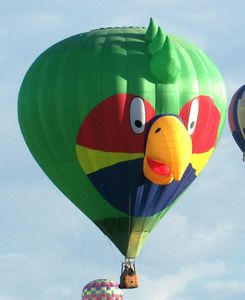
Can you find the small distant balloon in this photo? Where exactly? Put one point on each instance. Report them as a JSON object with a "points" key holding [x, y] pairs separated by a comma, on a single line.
{"points": [[102, 289], [237, 118]]}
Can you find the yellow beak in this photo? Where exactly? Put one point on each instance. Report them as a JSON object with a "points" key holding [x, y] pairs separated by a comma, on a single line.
{"points": [[168, 150]]}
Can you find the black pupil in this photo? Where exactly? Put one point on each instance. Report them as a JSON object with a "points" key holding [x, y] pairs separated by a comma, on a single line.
{"points": [[192, 124], [138, 123]]}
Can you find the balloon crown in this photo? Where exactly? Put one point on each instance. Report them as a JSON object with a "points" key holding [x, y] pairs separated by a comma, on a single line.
{"points": [[164, 61]]}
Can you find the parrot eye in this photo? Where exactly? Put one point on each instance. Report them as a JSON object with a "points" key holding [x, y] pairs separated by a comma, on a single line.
{"points": [[193, 116], [137, 115]]}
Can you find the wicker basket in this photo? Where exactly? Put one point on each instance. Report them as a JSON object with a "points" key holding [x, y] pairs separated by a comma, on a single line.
{"points": [[129, 281]]}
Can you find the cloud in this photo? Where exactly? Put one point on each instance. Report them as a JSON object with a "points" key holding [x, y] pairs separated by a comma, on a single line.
{"points": [[173, 285], [45, 274], [4, 32], [179, 242], [6, 297], [27, 273], [227, 289], [58, 291], [22, 269]]}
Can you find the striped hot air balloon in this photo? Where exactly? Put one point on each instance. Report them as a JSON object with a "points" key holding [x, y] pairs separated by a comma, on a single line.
{"points": [[237, 118]]}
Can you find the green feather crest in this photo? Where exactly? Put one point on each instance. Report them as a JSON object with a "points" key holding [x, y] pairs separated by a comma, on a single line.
{"points": [[164, 63], [151, 31]]}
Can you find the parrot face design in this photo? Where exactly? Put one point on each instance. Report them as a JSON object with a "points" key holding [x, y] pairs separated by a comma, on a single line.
{"points": [[160, 155]]}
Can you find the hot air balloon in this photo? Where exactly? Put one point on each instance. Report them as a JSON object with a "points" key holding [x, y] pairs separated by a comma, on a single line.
{"points": [[122, 120], [102, 289], [237, 118]]}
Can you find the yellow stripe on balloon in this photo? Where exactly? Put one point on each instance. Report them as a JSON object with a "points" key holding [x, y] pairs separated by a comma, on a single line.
{"points": [[94, 160], [199, 160]]}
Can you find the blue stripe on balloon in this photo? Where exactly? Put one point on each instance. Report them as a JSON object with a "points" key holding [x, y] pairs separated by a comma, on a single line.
{"points": [[124, 186]]}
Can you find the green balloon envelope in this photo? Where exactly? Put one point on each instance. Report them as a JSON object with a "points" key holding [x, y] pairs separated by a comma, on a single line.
{"points": [[86, 108]]}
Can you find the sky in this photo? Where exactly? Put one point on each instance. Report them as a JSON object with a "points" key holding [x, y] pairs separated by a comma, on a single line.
{"points": [[48, 248]]}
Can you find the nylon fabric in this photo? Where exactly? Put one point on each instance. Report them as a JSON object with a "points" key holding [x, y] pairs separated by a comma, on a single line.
{"points": [[77, 76]]}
